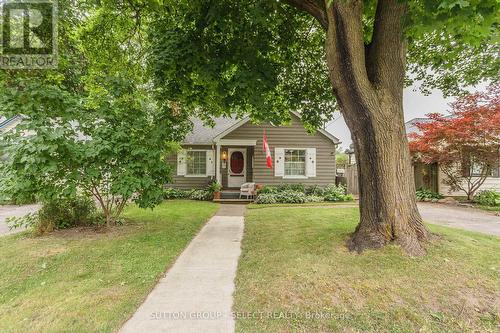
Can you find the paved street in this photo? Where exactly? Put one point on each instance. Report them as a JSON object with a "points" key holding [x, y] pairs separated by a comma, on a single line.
{"points": [[13, 210]]}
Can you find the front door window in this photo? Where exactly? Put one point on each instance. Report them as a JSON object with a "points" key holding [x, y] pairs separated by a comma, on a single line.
{"points": [[237, 163], [236, 167]]}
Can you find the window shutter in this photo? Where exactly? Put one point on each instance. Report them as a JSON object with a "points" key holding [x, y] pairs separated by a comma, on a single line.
{"points": [[279, 162], [181, 163], [495, 172], [210, 163], [311, 162]]}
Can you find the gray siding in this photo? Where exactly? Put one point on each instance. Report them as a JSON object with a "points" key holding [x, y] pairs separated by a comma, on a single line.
{"points": [[186, 182], [292, 136]]}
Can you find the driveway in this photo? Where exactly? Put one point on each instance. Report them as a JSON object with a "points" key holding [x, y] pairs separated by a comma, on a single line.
{"points": [[461, 217], [11, 210]]}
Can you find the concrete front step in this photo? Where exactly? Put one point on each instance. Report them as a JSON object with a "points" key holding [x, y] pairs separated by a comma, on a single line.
{"points": [[234, 200]]}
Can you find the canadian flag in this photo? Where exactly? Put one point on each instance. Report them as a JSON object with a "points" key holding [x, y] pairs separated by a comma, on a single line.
{"points": [[265, 146]]}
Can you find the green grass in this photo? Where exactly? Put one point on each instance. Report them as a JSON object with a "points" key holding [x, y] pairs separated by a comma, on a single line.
{"points": [[489, 208], [294, 263], [83, 281], [306, 204]]}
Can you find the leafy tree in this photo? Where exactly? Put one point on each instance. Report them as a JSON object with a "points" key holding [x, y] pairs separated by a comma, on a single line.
{"points": [[90, 125], [267, 57], [341, 160], [467, 140]]}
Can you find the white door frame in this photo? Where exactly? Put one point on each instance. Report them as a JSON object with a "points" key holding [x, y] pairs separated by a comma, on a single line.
{"points": [[236, 180]]}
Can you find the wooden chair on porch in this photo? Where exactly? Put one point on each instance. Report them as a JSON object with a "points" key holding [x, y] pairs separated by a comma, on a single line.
{"points": [[248, 190]]}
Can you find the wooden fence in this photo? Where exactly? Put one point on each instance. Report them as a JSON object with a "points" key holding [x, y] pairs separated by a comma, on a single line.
{"points": [[351, 175]]}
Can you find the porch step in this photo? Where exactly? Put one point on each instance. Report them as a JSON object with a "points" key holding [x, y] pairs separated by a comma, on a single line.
{"points": [[230, 195], [233, 201]]}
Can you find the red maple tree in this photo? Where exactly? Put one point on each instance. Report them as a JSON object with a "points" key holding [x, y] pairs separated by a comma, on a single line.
{"points": [[466, 143]]}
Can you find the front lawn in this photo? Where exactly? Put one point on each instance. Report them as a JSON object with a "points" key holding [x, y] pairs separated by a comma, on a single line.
{"points": [[489, 208], [294, 267], [305, 204], [83, 281]]}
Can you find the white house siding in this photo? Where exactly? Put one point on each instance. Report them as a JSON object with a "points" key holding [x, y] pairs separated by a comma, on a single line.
{"points": [[491, 183]]}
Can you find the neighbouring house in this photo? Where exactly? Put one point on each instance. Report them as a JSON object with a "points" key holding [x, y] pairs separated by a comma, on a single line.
{"points": [[7, 124], [231, 152], [429, 176]]}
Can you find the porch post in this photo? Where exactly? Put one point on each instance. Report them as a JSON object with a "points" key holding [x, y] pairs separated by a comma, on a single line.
{"points": [[218, 175]]}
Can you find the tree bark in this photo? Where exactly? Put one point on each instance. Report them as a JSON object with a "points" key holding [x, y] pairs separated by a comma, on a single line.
{"points": [[368, 82]]}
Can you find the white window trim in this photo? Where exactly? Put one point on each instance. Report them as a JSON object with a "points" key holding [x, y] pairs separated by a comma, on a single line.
{"points": [[295, 177], [196, 175], [284, 165]]}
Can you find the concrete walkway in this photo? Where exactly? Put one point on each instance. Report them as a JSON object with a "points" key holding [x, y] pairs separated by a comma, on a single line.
{"points": [[13, 210], [196, 294], [461, 217]]}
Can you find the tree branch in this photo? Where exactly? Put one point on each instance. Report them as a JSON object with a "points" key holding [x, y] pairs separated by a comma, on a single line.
{"points": [[314, 8], [387, 51]]}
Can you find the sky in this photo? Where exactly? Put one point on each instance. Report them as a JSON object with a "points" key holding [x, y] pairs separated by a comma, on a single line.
{"points": [[415, 105]]}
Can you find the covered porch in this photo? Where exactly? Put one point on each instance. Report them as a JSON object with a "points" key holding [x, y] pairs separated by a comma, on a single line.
{"points": [[235, 160]]}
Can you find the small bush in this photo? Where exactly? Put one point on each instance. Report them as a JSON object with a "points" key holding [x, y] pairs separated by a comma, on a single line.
{"points": [[174, 193], [203, 195], [60, 214], [266, 198], [292, 187], [314, 198], [267, 189], [426, 195], [290, 197], [315, 190], [214, 187], [337, 193], [488, 198]]}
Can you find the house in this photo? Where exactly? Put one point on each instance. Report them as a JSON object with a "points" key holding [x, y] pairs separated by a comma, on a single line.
{"points": [[429, 176], [8, 124], [231, 153]]}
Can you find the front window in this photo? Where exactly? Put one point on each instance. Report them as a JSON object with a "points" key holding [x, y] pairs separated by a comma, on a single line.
{"points": [[196, 163], [295, 162], [476, 170]]}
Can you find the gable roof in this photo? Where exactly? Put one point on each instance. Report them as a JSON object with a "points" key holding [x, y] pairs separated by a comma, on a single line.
{"points": [[203, 134], [411, 125]]}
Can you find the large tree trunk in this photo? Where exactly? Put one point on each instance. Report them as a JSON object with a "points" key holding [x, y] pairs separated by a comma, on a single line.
{"points": [[386, 183], [368, 82]]}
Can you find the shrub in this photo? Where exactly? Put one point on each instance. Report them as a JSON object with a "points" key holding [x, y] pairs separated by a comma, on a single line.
{"points": [[425, 195], [267, 189], [214, 187], [60, 214], [290, 197], [298, 193], [292, 187], [315, 190], [203, 195], [488, 198], [314, 198], [266, 198], [337, 193], [173, 193]]}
